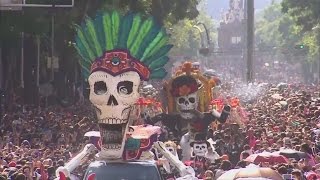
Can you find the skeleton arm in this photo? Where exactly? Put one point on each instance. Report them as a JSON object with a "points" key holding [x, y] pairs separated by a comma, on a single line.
{"points": [[76, 161], [222, 117], [186, 172]]}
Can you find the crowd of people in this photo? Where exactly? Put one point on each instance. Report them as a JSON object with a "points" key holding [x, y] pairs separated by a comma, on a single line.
{"points": [[35, 141], [282, 118]]}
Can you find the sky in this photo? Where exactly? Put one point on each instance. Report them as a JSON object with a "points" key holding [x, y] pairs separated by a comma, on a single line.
{"points": [[215, 6]]}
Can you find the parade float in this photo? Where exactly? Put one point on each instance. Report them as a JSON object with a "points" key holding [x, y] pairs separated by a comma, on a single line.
{"points": [[118, 53], [188, 95]]}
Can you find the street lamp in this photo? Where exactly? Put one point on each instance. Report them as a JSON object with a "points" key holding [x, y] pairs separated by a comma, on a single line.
{"points": [[207, 32], [201, 38], [204, 50]]}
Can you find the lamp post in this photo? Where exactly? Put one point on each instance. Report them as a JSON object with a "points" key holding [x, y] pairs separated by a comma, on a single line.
{"points": [[250, 39], [201, 38], [207, 32], [204, 50]]}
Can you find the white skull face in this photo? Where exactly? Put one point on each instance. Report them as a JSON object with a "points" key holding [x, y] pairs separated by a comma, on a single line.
{"points": [[113, 98], [187, 103], [200, 149]]}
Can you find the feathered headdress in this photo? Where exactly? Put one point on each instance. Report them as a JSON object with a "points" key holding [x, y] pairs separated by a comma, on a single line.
{"points": [[117, 44]]}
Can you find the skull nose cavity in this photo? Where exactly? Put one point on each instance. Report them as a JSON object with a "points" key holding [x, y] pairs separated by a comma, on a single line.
{"points": [[186, 102], [112, 101]]}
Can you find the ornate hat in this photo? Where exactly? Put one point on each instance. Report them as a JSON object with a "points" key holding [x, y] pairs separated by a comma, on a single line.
{"points": [[116, 44], [184, 85], [200, 138]]}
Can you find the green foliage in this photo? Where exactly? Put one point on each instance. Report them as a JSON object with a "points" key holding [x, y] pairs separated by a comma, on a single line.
{"points": [[305, 13], [306, 16], [162, 10], [186, 38], [275, 29]]}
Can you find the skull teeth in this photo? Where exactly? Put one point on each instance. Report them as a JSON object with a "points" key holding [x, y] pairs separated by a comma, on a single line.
{"points": [[112, 146], [114, 121]]}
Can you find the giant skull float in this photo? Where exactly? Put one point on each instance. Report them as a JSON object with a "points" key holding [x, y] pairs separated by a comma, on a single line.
{"points": [[117, 53]]}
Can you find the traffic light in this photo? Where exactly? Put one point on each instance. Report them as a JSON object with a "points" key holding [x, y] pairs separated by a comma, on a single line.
{"points": [[300, 46]]}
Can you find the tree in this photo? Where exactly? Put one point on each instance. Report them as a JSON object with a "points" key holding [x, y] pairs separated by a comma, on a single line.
{"points": [[305, 13], [275, 29], [37, 22], [186, 38], [306, 16]]}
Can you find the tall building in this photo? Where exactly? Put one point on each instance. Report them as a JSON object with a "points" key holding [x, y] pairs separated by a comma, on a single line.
{"points": [[231, 30]]}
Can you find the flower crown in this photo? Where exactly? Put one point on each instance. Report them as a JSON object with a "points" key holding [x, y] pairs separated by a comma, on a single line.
{"points": [[184, 85]]}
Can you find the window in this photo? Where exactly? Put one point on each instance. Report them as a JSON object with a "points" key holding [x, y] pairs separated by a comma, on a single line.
{"points": [[236, 40]]}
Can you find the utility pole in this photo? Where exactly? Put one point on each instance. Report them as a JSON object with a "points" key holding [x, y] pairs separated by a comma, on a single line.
{"points": [[250, 39], [52, 44]]}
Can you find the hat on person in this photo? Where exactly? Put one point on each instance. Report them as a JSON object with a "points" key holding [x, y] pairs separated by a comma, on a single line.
{"points": [[312, 175], [286, 141], [12, 164], [25, 142]]}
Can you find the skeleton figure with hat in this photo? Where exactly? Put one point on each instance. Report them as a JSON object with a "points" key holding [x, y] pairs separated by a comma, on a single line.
{"points": [[199, 162], [168, 169], [188, 95], [117, 53]]}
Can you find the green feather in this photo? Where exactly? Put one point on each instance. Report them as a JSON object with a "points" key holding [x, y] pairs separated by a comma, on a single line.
{"points": [[93, 37], [144, 29], [87, 36], [107, 26], [124, 31], [163, 51], [98, 23], [159, 63], [134, 30], [82, 52], [85, 65], [153, 44], [82, 39], [158, 73], [115, 27], [158, 46], [85, 73], [147, 40], [144, 40]]}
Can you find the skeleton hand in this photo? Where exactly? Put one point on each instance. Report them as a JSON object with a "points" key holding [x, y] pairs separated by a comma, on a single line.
{"points": [[62, 173], [76, 161], [183, 169], [225, 113]]}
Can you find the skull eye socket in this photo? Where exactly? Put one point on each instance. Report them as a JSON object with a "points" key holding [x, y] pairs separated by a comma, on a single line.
{"points": [[197, 147], [125, 87], [203, 147], [192, 100], [100, 88], [181, 100]]}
